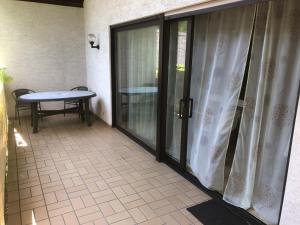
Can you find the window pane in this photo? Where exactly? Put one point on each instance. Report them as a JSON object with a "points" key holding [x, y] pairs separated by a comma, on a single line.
{"points": [[176, 76], [137, 75]]}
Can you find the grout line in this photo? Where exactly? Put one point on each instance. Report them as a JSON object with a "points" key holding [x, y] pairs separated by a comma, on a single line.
{"points": [[38, 174], [73, 186], [91, 194], [17, 171], [112, 171]]}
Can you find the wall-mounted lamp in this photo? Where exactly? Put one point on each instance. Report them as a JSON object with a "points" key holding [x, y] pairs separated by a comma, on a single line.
{"points": [[92, 39]]}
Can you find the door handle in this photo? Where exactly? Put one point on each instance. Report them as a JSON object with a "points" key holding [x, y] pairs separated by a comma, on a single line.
{"points": [[191, 106], [180, 114]]}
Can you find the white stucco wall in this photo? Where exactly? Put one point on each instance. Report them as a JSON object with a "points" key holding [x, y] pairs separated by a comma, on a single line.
{"points": [[99, 15], [43, 46]]}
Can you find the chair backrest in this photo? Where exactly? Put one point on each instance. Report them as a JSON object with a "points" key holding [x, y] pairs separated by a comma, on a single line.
{"points": [[80, 88], [18, 92], [148, 85]]}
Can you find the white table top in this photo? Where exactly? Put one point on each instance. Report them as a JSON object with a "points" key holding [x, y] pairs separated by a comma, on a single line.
{"points": [[48, 96], [138, 90]]}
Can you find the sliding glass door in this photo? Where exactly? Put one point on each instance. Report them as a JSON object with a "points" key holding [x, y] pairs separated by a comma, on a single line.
{"points": [[177, 90], [225, 114], [136, 85]]}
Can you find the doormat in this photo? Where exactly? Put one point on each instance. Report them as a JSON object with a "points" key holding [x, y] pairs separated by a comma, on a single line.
{"points": [[215, 212]]}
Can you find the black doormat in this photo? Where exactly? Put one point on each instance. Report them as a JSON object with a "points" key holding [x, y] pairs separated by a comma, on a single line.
{"points": [[215, 212]]}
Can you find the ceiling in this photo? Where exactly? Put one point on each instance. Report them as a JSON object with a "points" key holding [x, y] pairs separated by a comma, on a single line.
{"points": [[74, 3]]}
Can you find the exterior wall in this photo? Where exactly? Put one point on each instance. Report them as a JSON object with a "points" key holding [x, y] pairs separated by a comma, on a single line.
{"points": [[99, 15], [42, 46]]}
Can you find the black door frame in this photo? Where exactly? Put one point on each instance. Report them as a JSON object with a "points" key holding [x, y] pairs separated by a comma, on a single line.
{"points": [[181, 167], [131, 25], [159, 152], [162, 156], [162, 91]]}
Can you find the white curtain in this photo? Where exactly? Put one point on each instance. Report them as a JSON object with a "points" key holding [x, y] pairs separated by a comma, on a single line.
{"points": [[221, 45], [137, 66], [259, 166]]}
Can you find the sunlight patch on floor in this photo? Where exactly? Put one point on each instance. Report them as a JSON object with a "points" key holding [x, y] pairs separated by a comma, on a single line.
{"points": [[33, 218], [19, 139]]}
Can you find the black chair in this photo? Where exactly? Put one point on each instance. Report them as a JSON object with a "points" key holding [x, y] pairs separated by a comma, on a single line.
{"points": [[74, 103], [20, 105]]}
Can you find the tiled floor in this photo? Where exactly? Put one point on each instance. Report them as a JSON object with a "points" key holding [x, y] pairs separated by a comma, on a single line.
{"points": [[70, 174]]}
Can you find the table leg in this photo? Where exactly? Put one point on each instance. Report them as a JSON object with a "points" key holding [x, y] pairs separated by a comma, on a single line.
{"points": [[34, 116], [31, 115], [127, 111], [87, 112], [81, 111]]}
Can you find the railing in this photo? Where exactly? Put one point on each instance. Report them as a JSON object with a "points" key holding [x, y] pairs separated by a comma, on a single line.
{"points": [[3, 150]]}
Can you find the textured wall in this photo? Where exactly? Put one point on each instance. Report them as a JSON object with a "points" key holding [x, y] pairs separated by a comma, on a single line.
{"points": [[99, 15], [43, 46]]}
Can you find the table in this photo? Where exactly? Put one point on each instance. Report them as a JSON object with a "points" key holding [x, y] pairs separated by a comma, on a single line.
{"points": [[134, 91], [139, 90], [52, 96]]}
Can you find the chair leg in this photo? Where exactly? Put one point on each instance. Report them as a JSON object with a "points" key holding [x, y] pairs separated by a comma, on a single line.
{"points": [[64, 109], [79, 110], [18, 111], [31, 117], [40, 109]]}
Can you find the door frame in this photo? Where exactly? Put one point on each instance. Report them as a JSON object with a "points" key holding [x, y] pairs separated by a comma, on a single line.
{"points": [[181, 167], [163, 22], [162, 156], [131, 25]]}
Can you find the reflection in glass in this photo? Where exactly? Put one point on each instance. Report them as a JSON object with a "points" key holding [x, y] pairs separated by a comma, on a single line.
{"points": [[137, 74], [176, 72]]}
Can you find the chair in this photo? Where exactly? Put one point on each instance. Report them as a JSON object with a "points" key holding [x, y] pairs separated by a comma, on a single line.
{"points": [[74, 103], [20, 105]]}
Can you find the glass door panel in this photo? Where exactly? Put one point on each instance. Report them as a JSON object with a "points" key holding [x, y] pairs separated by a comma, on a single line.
{"points": [[137, 57], [175, 93]]}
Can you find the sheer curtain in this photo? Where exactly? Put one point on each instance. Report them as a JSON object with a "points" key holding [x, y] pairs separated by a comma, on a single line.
{"points": [[259, 166], [137, 65], [221, 45]]}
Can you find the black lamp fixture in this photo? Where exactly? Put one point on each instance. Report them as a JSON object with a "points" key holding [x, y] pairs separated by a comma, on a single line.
{"points": [[92, 39]]}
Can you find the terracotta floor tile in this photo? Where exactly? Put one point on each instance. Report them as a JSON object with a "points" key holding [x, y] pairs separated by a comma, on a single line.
{"points": [[77, 203], [128, 221], [70, 219], [78, 175], [14, 219], [106, 209], [58, 220], [27, 217], [40, 213], [137, 215], [117, 217]]}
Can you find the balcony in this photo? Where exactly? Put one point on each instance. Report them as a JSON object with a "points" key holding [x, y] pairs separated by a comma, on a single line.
{"points": [[150, 112], [70, 174]]}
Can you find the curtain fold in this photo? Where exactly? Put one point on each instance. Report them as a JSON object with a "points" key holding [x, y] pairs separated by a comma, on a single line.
{"points": [[221, 44], [257, 176]]}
